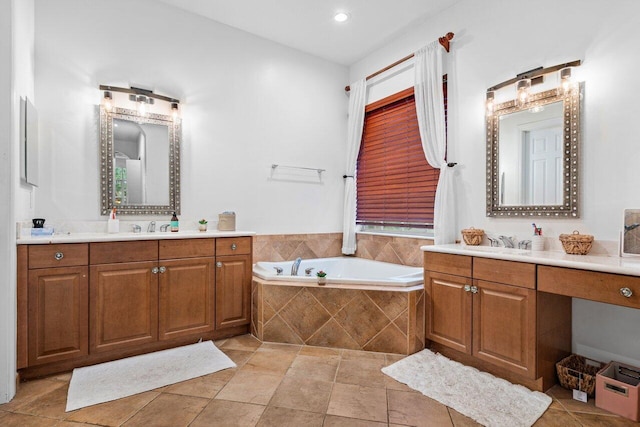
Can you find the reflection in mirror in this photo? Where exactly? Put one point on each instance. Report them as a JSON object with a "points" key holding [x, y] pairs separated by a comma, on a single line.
{"points": [[140, 163], [532, 156]]}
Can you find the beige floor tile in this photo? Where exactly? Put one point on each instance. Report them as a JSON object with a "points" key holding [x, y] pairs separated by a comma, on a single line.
{"points": [[598, 420], [321, 368], [113, 413], [290, 348], [284, 417], [50, 405], [10, 419], [410, 409], [390, 359], [308, 350], [168, 410], [73, 424], [228, 414], [242, 342], [334, 421], [357, 355], [361, 371], [556, 417], [460, 420], [353, 401], [303, 394], [239, 357], [274, 362], [250, 387], [30, 390], [392, 384], [206, 386]]}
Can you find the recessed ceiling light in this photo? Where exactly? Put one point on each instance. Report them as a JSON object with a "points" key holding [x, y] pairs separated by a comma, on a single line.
{"points": [[341, 17]]}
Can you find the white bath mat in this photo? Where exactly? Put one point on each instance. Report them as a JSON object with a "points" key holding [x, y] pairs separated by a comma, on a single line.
{"points": [[121, 378], [488, 400]]}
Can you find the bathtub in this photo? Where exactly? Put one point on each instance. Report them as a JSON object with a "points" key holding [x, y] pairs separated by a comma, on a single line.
{"points": [[344, 270]]}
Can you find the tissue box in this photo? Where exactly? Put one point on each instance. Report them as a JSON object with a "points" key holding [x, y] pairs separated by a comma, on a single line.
{"points": [[617, 388], [44, 231], [227, 221]]}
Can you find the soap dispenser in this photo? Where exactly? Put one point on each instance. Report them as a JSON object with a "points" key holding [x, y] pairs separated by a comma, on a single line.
{"points": [[175, 225], [113, 224]]}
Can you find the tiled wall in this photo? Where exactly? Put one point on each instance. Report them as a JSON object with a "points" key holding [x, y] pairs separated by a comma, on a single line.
{"points": [[384, 321], [287, 247]]}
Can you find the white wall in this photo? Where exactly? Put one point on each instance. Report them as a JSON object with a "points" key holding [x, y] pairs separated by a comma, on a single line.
{"points": [[247, 103], [494, 41], [16, 80]]}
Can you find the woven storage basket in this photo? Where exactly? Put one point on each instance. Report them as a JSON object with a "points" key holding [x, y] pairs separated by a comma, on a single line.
{"points": [[472, 236], [576, 243], [575, 373]]}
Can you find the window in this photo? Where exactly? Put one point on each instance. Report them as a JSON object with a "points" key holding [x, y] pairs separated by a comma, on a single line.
{"points": [[396, 186]]}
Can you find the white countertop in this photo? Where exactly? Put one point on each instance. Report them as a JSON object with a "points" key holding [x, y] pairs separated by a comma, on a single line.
{"points": [[600, 262], [118, 237]]}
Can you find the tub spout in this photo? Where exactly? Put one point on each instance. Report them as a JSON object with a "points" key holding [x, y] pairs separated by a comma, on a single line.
{"points": [[295, 266]]}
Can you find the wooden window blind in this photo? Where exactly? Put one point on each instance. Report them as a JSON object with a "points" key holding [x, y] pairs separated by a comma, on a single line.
{"points": [[395, 184]]}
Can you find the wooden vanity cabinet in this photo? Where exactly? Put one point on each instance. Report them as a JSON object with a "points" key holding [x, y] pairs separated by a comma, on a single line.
{"points": [[233, 281], [123, 295], [489, 312], [186, 288], [57, 303]]}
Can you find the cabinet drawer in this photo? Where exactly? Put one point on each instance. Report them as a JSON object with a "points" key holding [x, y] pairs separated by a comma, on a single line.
{"points": [[459, 265], [112, 252], [509, 272], [62, 255], [187, 248], [591, 285], [233, 245]]}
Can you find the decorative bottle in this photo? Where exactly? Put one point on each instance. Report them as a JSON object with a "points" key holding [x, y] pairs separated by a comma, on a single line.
{"points": [[175, 225]]}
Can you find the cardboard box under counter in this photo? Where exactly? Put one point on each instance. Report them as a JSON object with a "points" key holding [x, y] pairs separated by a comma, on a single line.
{"points": [[617, 390]]}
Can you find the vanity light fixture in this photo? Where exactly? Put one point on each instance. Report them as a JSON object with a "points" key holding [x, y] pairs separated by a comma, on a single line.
{"points": [[490, 101], [522, 91], [142, 102], [174, 110], [341, 17], [565, 80], [107, 101]]}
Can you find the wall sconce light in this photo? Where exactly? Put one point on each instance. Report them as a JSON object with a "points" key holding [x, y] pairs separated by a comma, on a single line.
{"points": [[522, 91], [565, 80], [174, 110], [142, 102], [107, 101], [490, 102]]}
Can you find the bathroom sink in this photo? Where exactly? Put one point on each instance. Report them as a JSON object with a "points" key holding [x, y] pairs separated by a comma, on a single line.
{"points": [[497, 250]]}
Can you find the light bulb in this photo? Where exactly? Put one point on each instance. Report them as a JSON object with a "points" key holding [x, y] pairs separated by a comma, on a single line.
{"points": [[565, 80], [107, 101], [490, 102], [522, 91], [174, 110], [341, 17], [142, 104]]}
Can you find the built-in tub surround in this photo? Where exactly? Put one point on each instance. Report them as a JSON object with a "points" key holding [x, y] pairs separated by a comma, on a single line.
{"points": [[360, 316]]}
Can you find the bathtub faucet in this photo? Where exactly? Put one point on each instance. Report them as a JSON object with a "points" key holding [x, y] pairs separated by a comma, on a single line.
{"points": [[295, 266]]}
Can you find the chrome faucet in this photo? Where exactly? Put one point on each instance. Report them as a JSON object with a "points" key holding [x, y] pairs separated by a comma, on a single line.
{"points": [[295, 266], [136, 228], [164, 227], [508, 242], [152, 227]]}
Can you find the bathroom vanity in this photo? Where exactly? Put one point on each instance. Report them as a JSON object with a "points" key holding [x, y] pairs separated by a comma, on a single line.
{"points": [[509, 311], [89, 299]]}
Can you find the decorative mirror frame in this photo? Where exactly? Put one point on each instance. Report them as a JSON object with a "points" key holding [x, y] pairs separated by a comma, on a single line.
{"points": [[107, 183], [571, 164]]}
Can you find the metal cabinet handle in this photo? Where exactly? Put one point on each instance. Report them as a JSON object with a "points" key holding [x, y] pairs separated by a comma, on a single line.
{"points": [[162, 269], [474, 289], [58, 256], [218, 264], [467, 288], [155, 270], [234, 246], [626, 292]]}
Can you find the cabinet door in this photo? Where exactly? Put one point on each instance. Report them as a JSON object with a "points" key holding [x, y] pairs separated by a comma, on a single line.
{"points": [[504, 326], [123, 305], [186, 297], [58, 314], [233, 288], [448, 310]]}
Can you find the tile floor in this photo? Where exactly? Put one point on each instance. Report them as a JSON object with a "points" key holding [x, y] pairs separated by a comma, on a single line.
{"points": [[276, 385]]}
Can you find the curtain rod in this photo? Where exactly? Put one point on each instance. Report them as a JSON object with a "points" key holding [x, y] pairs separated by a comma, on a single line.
{"points": [[444, 41]]}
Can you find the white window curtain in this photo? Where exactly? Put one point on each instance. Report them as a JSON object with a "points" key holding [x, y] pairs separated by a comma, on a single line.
{"points": [[357, 99], [431, 122]]}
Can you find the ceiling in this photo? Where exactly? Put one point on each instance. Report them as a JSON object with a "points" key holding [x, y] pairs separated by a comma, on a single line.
{"points": [[308, 25]]}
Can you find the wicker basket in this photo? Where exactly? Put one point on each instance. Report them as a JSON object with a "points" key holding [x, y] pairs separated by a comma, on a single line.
{"points": [[576, 243], [472, 236], [575, 373]]}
